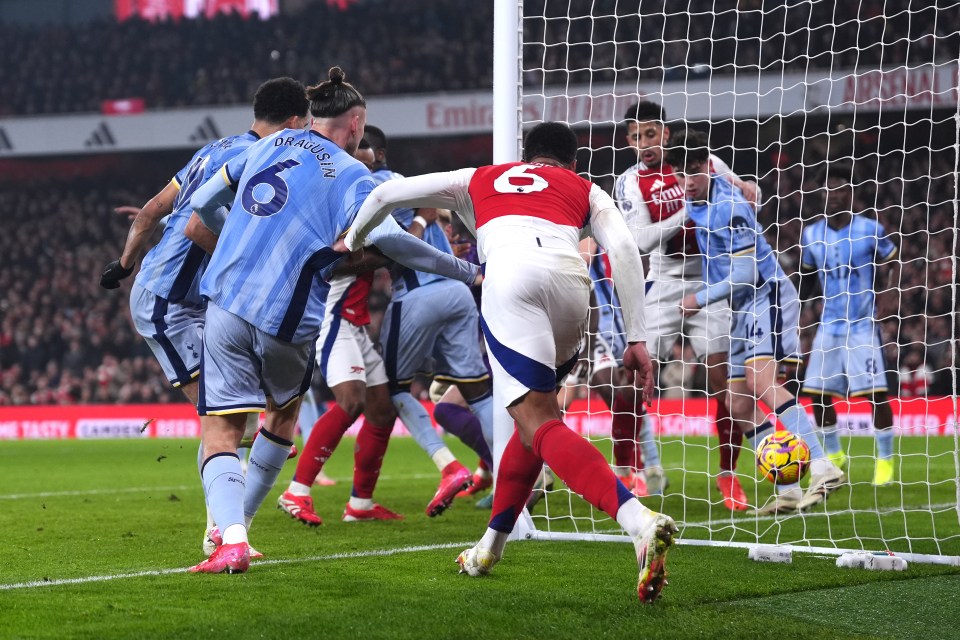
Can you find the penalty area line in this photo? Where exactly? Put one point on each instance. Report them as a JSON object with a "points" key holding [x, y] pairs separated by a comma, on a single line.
{"points": [[373, 553]]}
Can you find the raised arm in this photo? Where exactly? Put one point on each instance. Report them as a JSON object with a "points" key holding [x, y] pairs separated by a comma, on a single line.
{"points": [[440, 190]]}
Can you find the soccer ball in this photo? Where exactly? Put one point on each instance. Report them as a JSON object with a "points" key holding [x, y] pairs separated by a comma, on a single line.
{"points": [[783, 458]]}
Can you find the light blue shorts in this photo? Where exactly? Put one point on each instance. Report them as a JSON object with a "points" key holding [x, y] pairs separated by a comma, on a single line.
{"points": [[433, 330], [242, 366], [767, 326], [849, 364], [173, 332]]}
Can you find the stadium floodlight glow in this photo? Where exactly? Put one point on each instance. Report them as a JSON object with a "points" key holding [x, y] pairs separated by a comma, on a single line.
{"points": [[783, 91]]}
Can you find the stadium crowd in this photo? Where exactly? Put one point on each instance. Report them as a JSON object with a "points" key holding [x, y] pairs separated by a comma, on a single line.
{"points": [[63, 340], [54, 69]]}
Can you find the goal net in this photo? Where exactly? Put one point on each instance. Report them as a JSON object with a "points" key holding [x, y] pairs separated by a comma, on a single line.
{"points": [[783, 90]]}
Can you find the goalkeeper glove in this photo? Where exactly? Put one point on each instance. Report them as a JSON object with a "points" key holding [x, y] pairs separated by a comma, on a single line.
{"points": [[113, 273]]}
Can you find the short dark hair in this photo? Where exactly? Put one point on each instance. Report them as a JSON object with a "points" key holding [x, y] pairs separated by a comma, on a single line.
{"points": [[645, 111], [334, 97], [837, 171], [375, 137], [551, 140], [363, 144], [687, 147], [278, 99]]}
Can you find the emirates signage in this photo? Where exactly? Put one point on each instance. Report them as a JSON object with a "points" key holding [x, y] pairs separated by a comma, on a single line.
{"points": [[157, 10]]}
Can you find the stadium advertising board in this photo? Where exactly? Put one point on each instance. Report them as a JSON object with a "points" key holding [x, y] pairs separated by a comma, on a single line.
{"points": [[671, 417]]}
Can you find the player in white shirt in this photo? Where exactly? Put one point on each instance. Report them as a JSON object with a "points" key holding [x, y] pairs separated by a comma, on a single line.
{"points": [[528, 217]]}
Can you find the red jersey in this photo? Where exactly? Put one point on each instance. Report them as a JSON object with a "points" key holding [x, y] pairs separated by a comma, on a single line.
{"points": [[355, 308], [663, 196], [500, 190]]}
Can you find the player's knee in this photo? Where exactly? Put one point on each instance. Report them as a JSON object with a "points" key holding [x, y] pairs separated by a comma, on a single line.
{"points": [[353, 406], [381, 415], [473, 390], [741, 406]]}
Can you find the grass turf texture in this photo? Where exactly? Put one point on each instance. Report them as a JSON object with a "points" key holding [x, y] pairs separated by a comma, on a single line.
{"points": [[117, 507]]}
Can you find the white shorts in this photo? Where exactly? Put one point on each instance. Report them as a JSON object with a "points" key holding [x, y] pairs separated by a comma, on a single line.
{"points": [[707, 332], [849, 364], [349, 354], [242, 365], [535, 307]]}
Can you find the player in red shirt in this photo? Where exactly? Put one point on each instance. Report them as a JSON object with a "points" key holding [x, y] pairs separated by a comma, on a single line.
{"points": [[529, 217]]}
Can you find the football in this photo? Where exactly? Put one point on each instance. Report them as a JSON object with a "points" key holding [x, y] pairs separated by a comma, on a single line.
{"points": [[783, 457]]}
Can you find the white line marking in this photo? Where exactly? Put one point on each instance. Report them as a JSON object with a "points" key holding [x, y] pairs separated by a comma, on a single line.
{"points": [[375, 553], [93, 492]]}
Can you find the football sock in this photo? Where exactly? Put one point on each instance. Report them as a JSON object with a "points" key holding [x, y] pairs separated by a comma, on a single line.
{"points": [[634, 517], [495, 541], [580, 466], [482, 407], [324, 438], [417, 421], [648, 443], [884, 443], [309, 414], [299, 489], [443, 457], [519, 469], [624, 433], [795, 419], [729, 436], [831, 438], [267, 455], [368, 455], [758, 434], [224, 487], [360, 504], [462, 423]]}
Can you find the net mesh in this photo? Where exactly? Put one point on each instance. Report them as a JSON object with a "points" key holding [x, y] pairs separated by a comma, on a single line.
{"points": [[783, 90]]}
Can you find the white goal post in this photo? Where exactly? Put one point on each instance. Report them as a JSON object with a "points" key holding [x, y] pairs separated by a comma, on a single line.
{"points": [[783, 90]]}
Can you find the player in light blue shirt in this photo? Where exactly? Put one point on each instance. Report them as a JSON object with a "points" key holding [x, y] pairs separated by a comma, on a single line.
{"points": [[851, 256], [741, 266]]}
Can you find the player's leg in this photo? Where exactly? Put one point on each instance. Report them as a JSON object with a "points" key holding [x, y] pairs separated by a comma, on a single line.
{"points": [[883, 426], [867, 376], [452, 413], [827, 377], [729, 436]]}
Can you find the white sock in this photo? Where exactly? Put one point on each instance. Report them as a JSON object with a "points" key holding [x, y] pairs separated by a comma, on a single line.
{"points": [[361, 504], [442, 457], [634, 517], [248, 520], [210, 523], [495, 541], [234, 534], [298, 489]]}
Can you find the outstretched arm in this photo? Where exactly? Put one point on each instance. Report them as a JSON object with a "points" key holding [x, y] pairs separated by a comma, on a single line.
{"points": [[416, 254]]}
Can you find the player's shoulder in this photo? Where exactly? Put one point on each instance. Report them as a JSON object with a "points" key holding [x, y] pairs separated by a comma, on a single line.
{"points": [[866, 225], [814, 230]]}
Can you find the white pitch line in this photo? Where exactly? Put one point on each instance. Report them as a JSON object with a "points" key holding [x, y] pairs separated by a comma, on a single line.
{"points": [[375, 553]]}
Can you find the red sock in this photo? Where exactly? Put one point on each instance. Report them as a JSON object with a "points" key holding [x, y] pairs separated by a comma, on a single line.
{"points": [[625, 430], [730, 438], [372, 444], [580, 466], [518, 473], [323, 440]]}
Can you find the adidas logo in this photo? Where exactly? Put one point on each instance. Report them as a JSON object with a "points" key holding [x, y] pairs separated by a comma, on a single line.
{"points": [[101, 137], [207, 130], [5, 144]]}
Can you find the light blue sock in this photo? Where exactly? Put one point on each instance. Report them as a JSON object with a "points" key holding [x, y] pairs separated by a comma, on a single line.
{"points": [[200, 459], [758, 434], [309, 414], [795, 419], [224, 487], [648, 444], [417, 421], [831, 438], [482, 407], [884, 443], [267, 456]]}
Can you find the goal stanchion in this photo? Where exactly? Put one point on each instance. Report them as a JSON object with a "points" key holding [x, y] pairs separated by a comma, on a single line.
{"points": [[780, 105]]}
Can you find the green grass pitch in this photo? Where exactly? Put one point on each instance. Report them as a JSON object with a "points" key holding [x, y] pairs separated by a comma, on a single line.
{"points": [[107, 527]]}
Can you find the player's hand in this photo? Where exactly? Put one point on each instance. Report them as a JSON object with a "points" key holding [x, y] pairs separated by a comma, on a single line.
{"points": [[340, 246], [637, 361], [750, 191], [113, 273], [689, 305], [478, 280], [130, 212]]}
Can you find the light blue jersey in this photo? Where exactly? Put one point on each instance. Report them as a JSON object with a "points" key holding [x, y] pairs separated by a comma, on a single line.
{"points": [[297, 192], [173, 267], [405, 279], [727, 226], [845, 260]]}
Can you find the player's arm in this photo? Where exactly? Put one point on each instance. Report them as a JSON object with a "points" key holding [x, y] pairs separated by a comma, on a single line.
{"points": [[411, 252], [422, 218], [611, 232], [144, 224], [199, 234], [887, 276], [440, 190], [809, 274], [361, 261], [646, 233]]}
